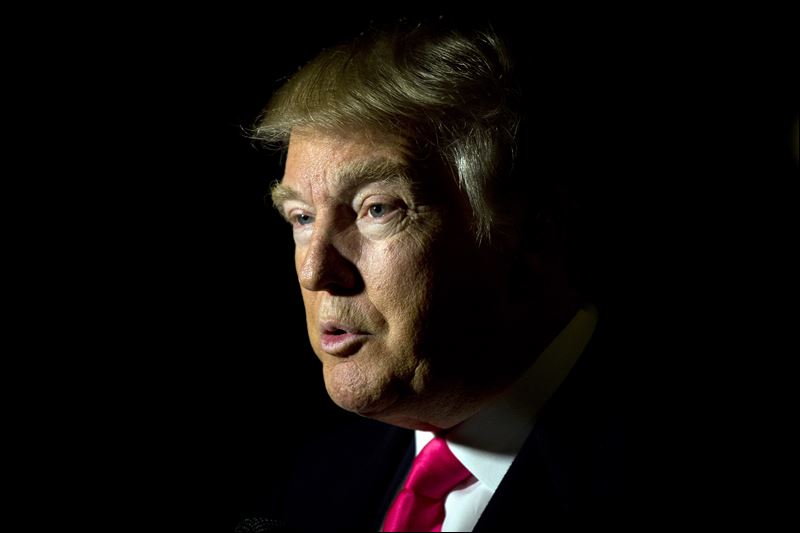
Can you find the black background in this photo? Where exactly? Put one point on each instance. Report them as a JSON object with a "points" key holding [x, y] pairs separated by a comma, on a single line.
{"points": [[170, 343]]}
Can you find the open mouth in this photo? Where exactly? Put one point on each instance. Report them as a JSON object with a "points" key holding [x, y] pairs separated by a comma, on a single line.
{"points": [[340, 339]]}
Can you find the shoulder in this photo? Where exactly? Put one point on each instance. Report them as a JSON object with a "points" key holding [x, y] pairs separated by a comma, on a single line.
{"points": [[572, 464], [579, 438]]}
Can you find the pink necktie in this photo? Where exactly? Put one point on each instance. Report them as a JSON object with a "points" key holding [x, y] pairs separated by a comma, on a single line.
{"points": [[420, 505]]}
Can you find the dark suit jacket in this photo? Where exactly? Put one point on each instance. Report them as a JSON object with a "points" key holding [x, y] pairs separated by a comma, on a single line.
{"points": [[571, 464]]}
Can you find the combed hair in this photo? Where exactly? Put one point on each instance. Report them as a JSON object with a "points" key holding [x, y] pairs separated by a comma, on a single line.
{"points": [[448, 92]]}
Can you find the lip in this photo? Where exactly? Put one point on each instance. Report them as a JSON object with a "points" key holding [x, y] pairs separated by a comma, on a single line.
{"points": [[341, 339]]}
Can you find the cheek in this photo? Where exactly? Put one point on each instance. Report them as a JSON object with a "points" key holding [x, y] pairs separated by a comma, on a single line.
{"points": [[398, 278], [311, 305], [298, 261]]}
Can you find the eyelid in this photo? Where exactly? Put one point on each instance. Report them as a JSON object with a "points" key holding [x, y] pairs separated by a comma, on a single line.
{"points": [[293, 205], [292, 212]]}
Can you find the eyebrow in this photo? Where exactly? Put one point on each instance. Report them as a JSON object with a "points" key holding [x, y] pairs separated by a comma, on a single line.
{"points": [[349, 178]]}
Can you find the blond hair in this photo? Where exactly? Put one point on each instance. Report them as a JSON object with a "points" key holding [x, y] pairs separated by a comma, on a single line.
{"points": [[450, 92]]}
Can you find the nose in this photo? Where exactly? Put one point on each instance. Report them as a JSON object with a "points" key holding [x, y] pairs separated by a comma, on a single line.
{"points": [[323, 267]]}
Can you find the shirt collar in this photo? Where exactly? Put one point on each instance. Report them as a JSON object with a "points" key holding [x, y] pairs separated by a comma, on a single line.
{"points": [[487, 443]]}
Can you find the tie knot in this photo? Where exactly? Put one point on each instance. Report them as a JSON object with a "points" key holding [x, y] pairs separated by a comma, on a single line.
{"points": [[436, 471]]}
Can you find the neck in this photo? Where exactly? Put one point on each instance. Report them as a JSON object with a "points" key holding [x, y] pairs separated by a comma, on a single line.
{"points": [[455, 400]]}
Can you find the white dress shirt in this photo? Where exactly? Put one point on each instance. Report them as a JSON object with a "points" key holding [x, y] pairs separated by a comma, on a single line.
{"points": [[487, 443]]}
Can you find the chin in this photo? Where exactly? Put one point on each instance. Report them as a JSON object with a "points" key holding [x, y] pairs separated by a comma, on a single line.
{"points": [[366, 393]]}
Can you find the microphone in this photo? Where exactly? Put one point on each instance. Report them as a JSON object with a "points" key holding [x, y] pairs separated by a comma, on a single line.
{"points": [[260, 525]]}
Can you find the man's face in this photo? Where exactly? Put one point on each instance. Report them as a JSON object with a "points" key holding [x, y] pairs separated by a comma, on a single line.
{"points": [[381, 257]]}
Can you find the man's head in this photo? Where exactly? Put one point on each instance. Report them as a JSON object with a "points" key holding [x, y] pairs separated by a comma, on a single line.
{"points": [[400, 150]]}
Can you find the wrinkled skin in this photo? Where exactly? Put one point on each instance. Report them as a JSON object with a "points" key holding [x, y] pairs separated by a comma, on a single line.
{"points": [[397, 262]]}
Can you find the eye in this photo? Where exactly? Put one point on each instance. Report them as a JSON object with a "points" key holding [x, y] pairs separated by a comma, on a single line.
{"points": [[302, 219], [378, 210]]}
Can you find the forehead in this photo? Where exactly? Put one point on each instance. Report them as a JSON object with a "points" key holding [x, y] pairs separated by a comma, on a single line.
{"points": [[315, 159]]}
